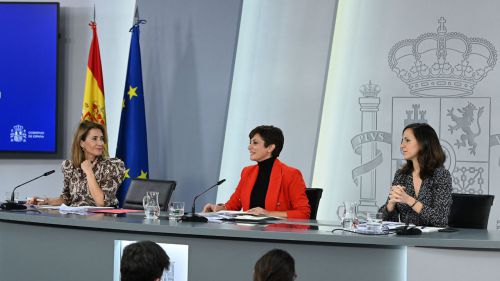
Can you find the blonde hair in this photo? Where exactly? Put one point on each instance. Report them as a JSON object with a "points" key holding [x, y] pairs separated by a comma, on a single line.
{"points": [[77, 154]]}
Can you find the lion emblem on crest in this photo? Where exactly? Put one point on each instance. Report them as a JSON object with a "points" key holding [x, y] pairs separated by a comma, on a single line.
{"points": [[464, 122]]}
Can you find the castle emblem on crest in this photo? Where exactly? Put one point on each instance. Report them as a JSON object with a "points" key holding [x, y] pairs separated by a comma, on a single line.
{"points": [[415, 115], [18, 134]]}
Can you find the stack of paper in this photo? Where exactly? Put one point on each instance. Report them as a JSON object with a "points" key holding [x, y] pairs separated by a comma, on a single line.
{"points": [[226, 215], [64, 209]]}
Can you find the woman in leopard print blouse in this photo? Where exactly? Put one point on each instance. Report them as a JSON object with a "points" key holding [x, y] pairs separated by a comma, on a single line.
{"points": [[421, 189], [90, 178]]}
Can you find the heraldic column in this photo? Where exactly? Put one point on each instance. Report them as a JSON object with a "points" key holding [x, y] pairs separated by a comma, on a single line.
{"points": [[369, 106]]}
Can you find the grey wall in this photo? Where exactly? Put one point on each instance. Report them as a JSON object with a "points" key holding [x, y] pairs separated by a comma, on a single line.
{"points": [[188, 49], [280, 71]]}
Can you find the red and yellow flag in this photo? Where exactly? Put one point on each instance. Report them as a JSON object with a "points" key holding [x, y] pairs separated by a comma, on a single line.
{"points": [[94, 108]]}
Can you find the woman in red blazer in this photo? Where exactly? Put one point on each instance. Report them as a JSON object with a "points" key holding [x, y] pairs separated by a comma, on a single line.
{"points": [[271, 187]]}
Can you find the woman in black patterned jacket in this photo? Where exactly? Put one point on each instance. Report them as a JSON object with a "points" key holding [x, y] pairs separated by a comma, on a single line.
{"points": [[421, 189]]}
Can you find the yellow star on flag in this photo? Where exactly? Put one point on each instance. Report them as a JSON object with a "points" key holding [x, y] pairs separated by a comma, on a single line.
{"points": [[126, 176], [144, 175], [131, 92], [123, 103]]}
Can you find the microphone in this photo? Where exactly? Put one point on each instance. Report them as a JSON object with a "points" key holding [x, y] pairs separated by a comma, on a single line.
{"points": [[194, 217], [406, 230], [11, 205]]}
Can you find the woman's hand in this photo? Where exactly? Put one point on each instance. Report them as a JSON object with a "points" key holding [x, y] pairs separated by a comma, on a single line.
{"points": [[398, 195], [87, 167], [35, 200], [213, 208], [32, 201], [258, 211]]}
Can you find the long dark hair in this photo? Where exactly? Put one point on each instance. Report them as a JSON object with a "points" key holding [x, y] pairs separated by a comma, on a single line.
{"points": [[275, 265], [430, 155]]}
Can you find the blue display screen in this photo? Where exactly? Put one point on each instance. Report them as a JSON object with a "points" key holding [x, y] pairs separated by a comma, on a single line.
{"points": [[28, 77]]}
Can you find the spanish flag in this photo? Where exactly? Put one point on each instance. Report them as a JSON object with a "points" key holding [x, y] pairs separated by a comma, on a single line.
{"points": [[94, 108]]}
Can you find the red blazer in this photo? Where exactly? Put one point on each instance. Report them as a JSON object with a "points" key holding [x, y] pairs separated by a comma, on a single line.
{"points": [[286, 191]]}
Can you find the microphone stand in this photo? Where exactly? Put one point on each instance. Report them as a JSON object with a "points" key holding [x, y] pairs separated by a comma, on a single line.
{"points": [[12, 205], [406, 230], [193, 217]]}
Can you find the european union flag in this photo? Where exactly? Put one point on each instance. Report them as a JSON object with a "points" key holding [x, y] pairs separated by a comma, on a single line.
{"points": [[132, 145]]}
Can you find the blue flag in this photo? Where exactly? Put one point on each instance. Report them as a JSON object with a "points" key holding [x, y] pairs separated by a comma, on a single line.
{"points": [[132, 145]]}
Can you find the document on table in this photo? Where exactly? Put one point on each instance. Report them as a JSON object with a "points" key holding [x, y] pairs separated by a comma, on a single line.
{"points": [[64, 209], [226, 215], [428, 229], [389, 225], [392, 225]]}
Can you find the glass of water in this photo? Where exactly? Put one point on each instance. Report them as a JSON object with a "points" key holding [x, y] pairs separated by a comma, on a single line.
{"points": [[8, 194], [175, 210], [151, 205], [374, 217]]}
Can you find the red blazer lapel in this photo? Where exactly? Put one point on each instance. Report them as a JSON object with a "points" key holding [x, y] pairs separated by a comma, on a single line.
{"points": [[246, 191], [273, 191]]}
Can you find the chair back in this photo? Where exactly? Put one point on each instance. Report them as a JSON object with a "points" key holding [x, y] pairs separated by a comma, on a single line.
{"points": [[470, 210], [139, 187], [314, 195]]}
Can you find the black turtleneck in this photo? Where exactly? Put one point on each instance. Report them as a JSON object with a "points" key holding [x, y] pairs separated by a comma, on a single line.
{"points": [[259, 191]]}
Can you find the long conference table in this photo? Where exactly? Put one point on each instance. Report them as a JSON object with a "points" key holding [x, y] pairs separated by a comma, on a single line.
{"points": [[54, 246]]}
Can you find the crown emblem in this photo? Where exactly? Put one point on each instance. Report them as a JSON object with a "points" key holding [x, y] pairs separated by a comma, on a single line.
{"points": [[18, 134], [443, 63], [370, 90]]}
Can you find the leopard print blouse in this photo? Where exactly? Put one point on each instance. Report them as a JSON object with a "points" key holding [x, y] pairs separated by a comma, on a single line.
{"points": [[435, 195], [109, 174]]}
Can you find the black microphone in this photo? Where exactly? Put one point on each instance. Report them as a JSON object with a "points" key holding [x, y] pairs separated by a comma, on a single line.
{"points": [[406, 230], [11, 205], [194, 217]]}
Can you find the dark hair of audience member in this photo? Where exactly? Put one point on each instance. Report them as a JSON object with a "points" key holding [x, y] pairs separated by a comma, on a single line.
{"points": [[143, 261], [275, 265]]}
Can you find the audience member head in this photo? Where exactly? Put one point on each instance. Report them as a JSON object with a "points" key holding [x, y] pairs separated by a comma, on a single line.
{"points": [[81, 134], [430, 153], [143, 261], [275, 265], [270, 135]]}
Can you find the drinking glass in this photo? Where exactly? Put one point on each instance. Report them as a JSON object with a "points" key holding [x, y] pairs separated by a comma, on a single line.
{"points": [[8, 194], [151, 205], [175, 210], [374, 217], [347, 213]]}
